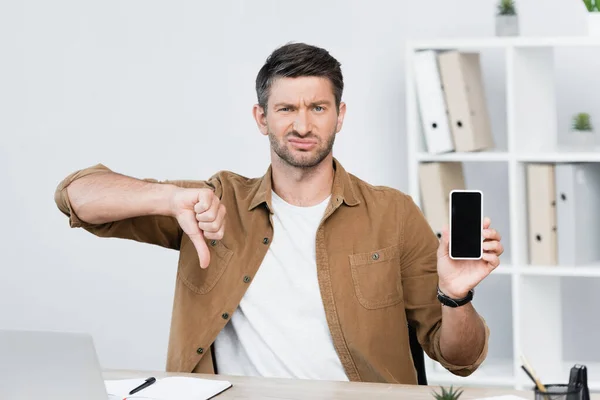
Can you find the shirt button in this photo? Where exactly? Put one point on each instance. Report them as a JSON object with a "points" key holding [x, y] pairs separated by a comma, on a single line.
{"points": [[225, 315], [265, 240], [200, 350], [246, 279], [375, 256]]}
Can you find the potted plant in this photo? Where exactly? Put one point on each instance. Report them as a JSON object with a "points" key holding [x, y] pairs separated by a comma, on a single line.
{"points": [[593, 16], [582, 131], [450, 394], [507, 20]]}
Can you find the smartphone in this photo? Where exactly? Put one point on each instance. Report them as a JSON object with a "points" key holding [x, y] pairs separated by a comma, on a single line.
{"points": [[466, 225]]}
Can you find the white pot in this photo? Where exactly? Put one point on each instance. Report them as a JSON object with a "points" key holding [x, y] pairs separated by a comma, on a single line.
{"points": [[593, 21], [507, 25], [583, 139]]}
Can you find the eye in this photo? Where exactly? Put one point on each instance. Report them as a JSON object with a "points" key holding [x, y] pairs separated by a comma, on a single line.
{"points": [[319, 108], [284, 109]]}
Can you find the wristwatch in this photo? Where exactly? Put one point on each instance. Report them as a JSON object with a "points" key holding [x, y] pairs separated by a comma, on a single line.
{"points": [[450, 302]]}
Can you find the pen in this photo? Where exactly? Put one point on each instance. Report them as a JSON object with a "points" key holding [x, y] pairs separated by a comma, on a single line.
{"points": [[529, 375], [532, 375], [144, 385]]}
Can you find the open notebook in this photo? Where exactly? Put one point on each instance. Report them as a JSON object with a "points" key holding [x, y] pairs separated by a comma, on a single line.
{"points": [[170, 388]]}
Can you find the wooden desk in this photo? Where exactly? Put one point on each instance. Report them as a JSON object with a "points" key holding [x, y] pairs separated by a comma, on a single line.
{"points": [[288, 389]]}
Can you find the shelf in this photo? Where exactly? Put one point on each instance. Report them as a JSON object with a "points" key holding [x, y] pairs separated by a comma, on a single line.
{"points": [[590, 270], [562, 156], [493, 372], [545, 309], [484, 156], [504, 270], [502, 42]]}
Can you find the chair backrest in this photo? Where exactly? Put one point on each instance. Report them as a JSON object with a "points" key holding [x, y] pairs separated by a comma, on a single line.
{"points": [[418, 356]]}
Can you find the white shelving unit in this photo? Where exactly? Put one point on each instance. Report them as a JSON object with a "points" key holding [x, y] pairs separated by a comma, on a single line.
{"points": [[550, 314]]}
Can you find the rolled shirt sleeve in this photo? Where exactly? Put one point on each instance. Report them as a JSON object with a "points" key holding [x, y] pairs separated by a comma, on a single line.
{"points": [[159, 230], [419, 281]]}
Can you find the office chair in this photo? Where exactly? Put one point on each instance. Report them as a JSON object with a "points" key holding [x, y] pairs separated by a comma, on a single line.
{"points": [[418, 356]]}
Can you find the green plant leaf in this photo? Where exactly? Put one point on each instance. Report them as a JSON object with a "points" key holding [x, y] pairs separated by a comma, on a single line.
{"points": [[581, 122], [507, 7], [450, 394], [589, 5]]}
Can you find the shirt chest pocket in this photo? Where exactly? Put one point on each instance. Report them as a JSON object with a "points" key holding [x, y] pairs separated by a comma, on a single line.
{"points": [[203, 280], [376, 277]]}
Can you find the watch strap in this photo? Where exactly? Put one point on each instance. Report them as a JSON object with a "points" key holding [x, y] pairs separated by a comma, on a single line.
{"points": [[450, 302]]}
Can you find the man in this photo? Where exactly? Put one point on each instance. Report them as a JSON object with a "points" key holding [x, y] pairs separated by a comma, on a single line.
{"points": [[306, 272]]}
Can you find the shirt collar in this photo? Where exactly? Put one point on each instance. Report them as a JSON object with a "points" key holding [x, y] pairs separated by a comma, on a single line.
{"points": [[343, 188]]}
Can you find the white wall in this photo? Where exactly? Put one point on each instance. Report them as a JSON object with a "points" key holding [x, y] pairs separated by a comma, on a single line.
{"points": [[165, 89]]}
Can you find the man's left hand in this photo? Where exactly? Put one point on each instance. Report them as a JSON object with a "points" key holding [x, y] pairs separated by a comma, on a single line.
{"points": [[457, 277]]}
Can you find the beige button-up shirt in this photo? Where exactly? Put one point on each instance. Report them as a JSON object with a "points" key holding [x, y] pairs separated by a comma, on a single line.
{"points": [[376, 265]]}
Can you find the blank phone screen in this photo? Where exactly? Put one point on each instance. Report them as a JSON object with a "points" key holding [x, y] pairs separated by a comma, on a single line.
{"points": [[465, 226]]}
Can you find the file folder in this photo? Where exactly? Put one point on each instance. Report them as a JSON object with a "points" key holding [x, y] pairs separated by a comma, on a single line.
{"points": [[431, 103], [541, 214], [464, 93], [436, 180], [578, 212]]}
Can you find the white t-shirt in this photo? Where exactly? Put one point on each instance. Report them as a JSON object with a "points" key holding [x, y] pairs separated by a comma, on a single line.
{"points": [[279, 328]]}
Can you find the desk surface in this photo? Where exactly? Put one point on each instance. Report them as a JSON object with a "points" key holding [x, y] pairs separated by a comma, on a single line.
{"points": [[289, 389]]}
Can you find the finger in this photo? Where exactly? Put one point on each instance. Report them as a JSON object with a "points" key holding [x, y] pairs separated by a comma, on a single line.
{"points": [[493, 246], [486, 222], [205, 200], [499, 249], [215, 224], [209, 214], [202, 249], [491, 234], [218, 235], [492, 259]]}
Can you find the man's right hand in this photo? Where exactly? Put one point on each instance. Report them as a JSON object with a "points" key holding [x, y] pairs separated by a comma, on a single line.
{"points": [[201, 215]]}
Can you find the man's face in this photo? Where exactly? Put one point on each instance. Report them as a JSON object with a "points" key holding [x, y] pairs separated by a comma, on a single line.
{"points": [[301, 120]]}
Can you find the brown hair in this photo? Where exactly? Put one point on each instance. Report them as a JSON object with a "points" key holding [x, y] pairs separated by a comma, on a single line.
{"points": [[295, 60]]}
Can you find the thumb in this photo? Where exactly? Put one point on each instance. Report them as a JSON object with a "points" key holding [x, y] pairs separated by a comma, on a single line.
{"points": [[201, 247], [444, 240]]}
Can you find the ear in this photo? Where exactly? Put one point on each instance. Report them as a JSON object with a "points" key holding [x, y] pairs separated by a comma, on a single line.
{"points": [[340, 118], [261, 119]]}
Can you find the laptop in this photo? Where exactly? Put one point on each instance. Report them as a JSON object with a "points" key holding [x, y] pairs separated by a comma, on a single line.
{"points": [[36, 365]]}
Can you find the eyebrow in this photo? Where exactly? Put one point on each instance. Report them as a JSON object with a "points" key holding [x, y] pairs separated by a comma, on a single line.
{"points": [[314, 103]]}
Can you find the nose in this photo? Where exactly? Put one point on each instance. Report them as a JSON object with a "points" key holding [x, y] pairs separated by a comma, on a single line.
{"points": [[302, 123]]}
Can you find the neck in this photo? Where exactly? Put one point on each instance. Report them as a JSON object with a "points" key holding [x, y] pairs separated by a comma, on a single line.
{"points": [[302, 187]]}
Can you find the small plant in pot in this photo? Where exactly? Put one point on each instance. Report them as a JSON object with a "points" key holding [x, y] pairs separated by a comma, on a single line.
{"points": [[447, 394], [507, 20], [582, 131], [593, 16]]}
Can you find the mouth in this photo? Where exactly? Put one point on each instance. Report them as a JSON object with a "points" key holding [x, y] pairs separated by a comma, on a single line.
{"points": [[303, 144]]}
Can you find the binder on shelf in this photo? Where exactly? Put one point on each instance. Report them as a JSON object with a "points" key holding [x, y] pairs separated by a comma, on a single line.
{"points": [[541, 214], [436, 180], [578, 212], [431, 103], [464, 92]]}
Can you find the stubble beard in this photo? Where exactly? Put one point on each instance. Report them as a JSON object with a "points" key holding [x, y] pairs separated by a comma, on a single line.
{"points": [[301, 159]]}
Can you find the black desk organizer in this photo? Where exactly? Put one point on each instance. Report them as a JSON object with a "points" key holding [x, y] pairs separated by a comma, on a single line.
{"points": [[578, 379]]}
